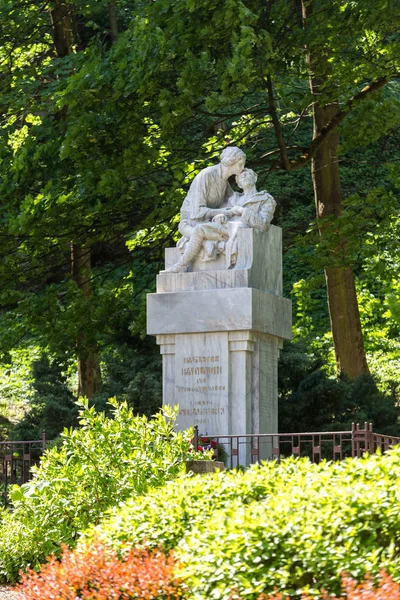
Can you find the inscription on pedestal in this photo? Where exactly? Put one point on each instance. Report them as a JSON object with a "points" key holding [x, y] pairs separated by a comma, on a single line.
{"points": [[201, 381]]}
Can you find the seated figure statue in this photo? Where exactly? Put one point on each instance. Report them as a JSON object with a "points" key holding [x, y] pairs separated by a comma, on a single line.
{"points": [[256, 208], [207, 197], [253, 209]]}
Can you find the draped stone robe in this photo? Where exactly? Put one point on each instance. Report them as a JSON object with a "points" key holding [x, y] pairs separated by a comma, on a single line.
{"points": [[258, 213]]}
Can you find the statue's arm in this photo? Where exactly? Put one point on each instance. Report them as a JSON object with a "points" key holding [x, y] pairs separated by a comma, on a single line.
{"points": [[199, 209], [260, 219], [206, 214], [255, 220], [198, 196]]}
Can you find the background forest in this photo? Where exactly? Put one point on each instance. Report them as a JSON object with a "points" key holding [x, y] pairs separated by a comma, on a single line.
{"points": [[109, 109]]}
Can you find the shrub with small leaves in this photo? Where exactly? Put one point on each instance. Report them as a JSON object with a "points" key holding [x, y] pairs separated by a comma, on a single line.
{"points": [[98, 466], [384, 589], [293, 527], [96, 573]]}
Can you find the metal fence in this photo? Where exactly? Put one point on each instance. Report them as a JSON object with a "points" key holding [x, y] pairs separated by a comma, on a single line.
{"points": [[16, 460], [242, 450]]}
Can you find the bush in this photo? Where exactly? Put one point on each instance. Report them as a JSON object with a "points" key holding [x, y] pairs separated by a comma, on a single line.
{"points": [[134, 375], [294, 526], [385, 589], [95, 573], [98, 465]]}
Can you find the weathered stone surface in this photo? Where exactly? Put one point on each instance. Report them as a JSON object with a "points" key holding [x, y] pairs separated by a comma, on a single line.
{"points": [[204, 466], [201, 386], [259, 266], [219, 310], [220, 331]]}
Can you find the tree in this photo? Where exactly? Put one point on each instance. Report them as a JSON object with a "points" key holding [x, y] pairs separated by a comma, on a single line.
{"points": [[52, 407], [58, 204], [310, 400], [267, 43], [342, 297], [89, 374], [100, 141]]}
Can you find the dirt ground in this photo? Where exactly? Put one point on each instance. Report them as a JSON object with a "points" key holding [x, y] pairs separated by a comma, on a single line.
{"points": [[6, 593]]}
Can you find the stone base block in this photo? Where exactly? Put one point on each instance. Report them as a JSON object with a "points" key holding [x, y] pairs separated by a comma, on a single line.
{"points": [[219, 310], [204, 466], [259, 266], [220, 331]]}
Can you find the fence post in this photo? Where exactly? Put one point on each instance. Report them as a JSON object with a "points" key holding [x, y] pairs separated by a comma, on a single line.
{"points": [[353, 443], [44, 440], [196, 437], [366, 438], [371, 439]]}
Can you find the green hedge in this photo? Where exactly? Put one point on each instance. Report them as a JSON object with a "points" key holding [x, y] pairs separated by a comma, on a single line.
{"points": [[98, 465], [290, 526]]}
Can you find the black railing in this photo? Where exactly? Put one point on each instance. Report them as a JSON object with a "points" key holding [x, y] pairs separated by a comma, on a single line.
{"points": [[236, 450], [16, 460]]}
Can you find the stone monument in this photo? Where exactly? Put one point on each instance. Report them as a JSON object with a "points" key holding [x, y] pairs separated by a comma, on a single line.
{"points": [[218, 313]]}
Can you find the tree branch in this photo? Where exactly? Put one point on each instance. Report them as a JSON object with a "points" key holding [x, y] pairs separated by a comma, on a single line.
{"points": [[277, 125], [335, 122]]}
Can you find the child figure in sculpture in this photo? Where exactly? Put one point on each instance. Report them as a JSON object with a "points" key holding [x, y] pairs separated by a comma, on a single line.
{"points": [[256, 209], [252, 208]]}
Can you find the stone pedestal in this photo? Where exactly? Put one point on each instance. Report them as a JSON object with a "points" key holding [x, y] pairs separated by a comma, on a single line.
{"points": [[220, 332], [200, 467]]}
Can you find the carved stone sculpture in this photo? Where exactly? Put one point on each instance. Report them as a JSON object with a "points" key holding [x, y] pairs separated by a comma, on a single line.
{"points": [[253, 209], [218, 314], [207, 197], [256, 209], [212, 212]]}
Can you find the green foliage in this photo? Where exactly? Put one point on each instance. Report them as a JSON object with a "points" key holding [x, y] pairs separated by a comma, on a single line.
{"points": [[5, 428], [370, 223], [312, 400], [364, 125], [291, 526], [99, 146], [132, 375], [98, 465], [52, 406], [15, 382]]}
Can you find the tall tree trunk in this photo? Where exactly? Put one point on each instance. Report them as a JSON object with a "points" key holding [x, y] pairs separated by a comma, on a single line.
{"points": [[342, 297], [113, 20], [89, 374], [62, 28]]}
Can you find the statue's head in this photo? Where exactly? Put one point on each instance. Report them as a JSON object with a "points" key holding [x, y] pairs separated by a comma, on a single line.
{"points": [[246, 178], [234, 158]]}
